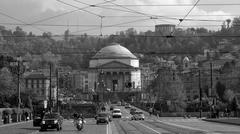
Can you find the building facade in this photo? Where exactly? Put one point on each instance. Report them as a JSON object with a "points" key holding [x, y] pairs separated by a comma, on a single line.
{"points": [[39, 84], [114, 70]]}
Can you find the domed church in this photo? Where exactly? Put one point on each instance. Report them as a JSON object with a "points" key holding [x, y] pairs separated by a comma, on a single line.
{"points": [[114, 73]]}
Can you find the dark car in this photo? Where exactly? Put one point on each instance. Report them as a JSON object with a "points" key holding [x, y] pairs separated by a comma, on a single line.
{"points": [[51, 121], [127, 106], [103, 118], [132, 111], [111, 108], [37, 120], [138, 116]]}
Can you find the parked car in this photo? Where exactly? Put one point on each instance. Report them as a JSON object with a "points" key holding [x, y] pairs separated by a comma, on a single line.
{"points": [[103, 118], [37, 120], [133, 110], [116, 113], [52, 121], [138, 116]]}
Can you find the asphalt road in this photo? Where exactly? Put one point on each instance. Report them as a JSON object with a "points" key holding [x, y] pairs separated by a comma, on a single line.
{"points": [[151, 125]]}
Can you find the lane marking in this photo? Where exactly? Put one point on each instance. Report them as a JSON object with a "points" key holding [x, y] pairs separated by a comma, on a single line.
{"points": [[149, 128], [107, 129]]}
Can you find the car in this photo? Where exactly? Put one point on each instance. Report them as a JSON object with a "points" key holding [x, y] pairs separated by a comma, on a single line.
{"points": [[111, 108], [103, 118], [52, 121], [119, 103], [132, 111], [127, 106], [116, 113], [138, 116], [37, 120]]}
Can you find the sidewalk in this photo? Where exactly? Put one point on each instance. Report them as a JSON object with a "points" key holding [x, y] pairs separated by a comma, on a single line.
{"points": [[231, 121]]}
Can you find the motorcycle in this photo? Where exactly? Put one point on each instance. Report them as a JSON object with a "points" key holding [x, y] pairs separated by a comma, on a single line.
{"points": [[79, 124]]}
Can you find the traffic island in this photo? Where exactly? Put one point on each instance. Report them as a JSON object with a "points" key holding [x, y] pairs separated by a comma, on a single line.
{"points": [[231, 121]]}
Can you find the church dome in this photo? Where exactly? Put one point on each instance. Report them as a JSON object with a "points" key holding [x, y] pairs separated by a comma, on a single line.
{"points": [[114, 51]]}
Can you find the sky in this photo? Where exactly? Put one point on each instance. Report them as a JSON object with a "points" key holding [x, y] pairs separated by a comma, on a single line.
{"points": [[110, 16]]}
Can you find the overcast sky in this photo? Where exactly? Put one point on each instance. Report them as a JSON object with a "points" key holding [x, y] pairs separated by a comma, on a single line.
{"points": [[35, 12]]}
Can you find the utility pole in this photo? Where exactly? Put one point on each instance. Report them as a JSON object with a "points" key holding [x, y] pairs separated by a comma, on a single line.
{"points": [[200, 93], [210, 92], [57, 89], [18, 86], [50, 89]]}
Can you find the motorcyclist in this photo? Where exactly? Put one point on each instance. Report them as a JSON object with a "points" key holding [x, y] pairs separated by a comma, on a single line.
{"points": [[78, 117], [81, 117], [75, 118]]}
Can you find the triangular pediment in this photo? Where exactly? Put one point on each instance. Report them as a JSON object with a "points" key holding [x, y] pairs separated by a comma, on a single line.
{"points": [[115, 64]]}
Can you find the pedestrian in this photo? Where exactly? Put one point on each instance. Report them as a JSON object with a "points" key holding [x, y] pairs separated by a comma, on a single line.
{"points": [[150, 111], [26, 116]]}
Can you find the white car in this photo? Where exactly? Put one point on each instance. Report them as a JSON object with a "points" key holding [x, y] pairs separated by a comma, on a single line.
{"points": [[116, 113]]}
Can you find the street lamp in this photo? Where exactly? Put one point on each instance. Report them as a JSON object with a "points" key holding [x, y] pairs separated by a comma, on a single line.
{"points": [[18, 62], [101, 84]]}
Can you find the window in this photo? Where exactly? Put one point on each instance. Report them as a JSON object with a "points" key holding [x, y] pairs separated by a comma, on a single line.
{"points": [[43, 92], [40, 83], [86, 87], [34, 83], [29, 82]]}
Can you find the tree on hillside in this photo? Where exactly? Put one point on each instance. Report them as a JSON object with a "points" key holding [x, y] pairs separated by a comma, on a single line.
{"points": [[235, 106], [228, 96], [220, 90], [19, 35], [168, 87], [7, 87]]}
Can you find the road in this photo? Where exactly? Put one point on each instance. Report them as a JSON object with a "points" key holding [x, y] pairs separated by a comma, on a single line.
{"points": [[151, 125]]}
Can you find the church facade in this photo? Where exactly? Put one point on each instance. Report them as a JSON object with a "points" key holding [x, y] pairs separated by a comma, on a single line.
{"points": [[114, 73]]}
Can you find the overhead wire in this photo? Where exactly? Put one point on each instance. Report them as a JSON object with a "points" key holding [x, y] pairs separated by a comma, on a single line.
{"points": [[167, 5], [181, 20], [79, 8], [91, 29], [63, 14], [90, 25], [16, 19], [150, 36], [129, 10], [141, 13], [123, 6]]}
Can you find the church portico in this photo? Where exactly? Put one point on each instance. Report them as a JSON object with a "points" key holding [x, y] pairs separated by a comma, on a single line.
{"points": [[117, 75]]}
